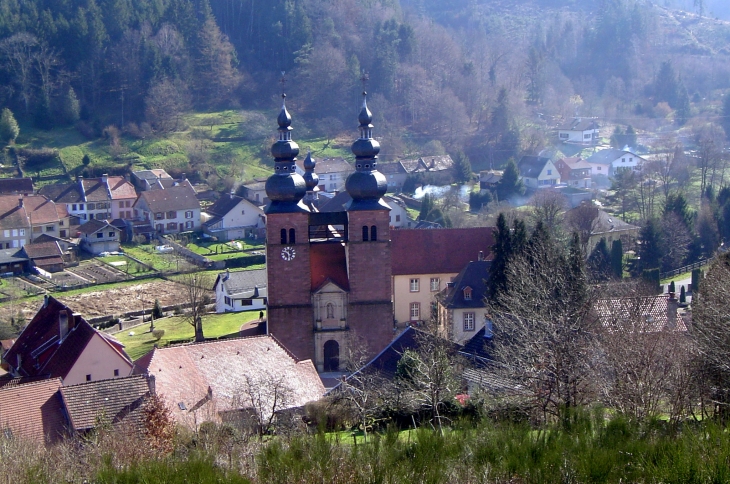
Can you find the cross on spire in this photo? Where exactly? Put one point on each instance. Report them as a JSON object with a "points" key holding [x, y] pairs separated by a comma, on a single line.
{"points": [[282, 81]]}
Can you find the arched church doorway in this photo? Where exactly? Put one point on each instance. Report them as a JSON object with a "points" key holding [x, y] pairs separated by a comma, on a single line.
{"points": [[331, 356]]}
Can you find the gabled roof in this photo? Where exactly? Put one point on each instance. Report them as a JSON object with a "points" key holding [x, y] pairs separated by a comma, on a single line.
{"points": [[479, 346], [328, 165], [440, 251], [640, 314], [120, 188], [255, 185], [12, 215], [181, 197], [241, 283], [94, 225], [532, 166], [580, 124], [436, 162], [392, 169], [33, 411], [225, 204], [328, 262], [336, 203], [151, 175], [211, 376], [10, 256], [605, 223], [63, 192], [604, 157], [411, 166], [95, 190], [473, 276], [14, 186], [41, 250], [41, 210], [115, 399], [41, 350]]}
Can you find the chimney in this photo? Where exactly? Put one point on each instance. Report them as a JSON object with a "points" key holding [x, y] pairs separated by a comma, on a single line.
{"points": [[184, 177], [151, 384], [481, 255], [20, 202], [45, 301], [228, 274], [104, 178], [672, 305], [62, 324]]}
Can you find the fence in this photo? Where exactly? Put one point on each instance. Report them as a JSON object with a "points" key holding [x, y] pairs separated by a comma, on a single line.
{"points": [[682, 270]]}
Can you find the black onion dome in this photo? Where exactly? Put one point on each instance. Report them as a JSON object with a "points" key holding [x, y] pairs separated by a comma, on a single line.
{"points": [[365, 148], [365, 117], [284, 148], [284, 118], [310, 177], [285, 188], [366, 184]]}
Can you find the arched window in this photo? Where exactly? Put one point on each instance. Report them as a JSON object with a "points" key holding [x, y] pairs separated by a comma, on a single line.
{"points": [[331, 355], [283, 236], [364, 233], [292, 236], [330, 311], [373, 233]]}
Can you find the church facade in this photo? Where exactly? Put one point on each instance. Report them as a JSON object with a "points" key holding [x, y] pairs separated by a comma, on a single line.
{"points": [[329, 274]]}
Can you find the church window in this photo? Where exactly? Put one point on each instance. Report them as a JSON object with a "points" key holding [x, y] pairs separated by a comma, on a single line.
{"points": [[373, 233], [415, 311], [283, 236], [292, 236], [415, 285], [330, 311], [364, 233], [468, 321]]}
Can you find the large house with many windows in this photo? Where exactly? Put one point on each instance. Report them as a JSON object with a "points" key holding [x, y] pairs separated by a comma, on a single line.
{"points": [[169, 211], [103, 198]]}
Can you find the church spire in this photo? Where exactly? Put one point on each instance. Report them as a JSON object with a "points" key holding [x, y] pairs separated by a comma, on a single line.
{"points": [[285, 188], [366, 185]]}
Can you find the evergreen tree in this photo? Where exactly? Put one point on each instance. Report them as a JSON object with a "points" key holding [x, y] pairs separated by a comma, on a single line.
{"points": [[682, 295], [666, 85], [599, 262], [462, 167], [617, 259], [9, 129], [677, 203], [479, 199], [650, 253], [501, 252], [630, 137], [510, 184], [617, 138], [578, 291], [426, 207], [71, 107]]}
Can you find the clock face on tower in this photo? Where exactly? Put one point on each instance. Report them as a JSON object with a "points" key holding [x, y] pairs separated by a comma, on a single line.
{"points": [[288, 253]]}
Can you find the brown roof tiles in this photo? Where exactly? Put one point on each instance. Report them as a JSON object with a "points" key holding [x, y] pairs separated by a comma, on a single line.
{"points": [[33, 411]]}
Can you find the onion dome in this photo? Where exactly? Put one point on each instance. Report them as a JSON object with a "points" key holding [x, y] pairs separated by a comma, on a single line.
{"points": [[310, 177], [366, 185], [285, 188]]}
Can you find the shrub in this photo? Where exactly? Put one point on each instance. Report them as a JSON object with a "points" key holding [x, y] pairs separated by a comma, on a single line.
{"points": [[157, 310], [36, 158], [158, 334]]}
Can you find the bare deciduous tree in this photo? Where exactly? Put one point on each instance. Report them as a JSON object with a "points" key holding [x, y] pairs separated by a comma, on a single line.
{"points": [[266, 394], [548, 206], [195, 294]]}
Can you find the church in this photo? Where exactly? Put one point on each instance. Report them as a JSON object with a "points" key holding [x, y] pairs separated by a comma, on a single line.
{"points": [[329, 274]]}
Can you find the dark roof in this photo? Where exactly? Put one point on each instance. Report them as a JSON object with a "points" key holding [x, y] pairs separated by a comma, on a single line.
{"points": [[580, 124], [181, 197], [63, 192], [33, 411], [474, 276], [95, 190], [440, 251], [425, 224], [40, 250], [241, 282], [95, 225], [10, 256], [392, 169], [116, 399], [606, 223], [532, 166], [479, 346], [13, 186], [336, 203], [151, 175], [224, 204], [328, 261], [328, 165]]}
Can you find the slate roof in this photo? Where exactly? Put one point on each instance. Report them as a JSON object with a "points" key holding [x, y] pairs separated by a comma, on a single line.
{"points": [[120, 188], [200, 380], [336, 203], [181, 197], [474, 275], [95, 225], [580, 124], [479, 346], [532, 166], [439, 251], [14, 186], [392, 169], [63, 192], [224, 204], [33, 411], [38, 344], [11, 256], [328, 261], [118, 399], [641, 314], [242, 283], [327, 165]]}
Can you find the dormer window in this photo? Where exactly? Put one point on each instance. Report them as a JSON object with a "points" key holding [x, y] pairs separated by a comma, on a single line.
{"points": [[467, 293]]}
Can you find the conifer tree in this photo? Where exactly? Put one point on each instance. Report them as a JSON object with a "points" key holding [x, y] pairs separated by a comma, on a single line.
{"points": [[617, 259], [599, 262], [9, 129], [510, 183]]}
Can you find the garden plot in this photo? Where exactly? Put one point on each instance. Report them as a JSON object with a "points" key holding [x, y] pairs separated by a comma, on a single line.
{"points": [[99, 273]]}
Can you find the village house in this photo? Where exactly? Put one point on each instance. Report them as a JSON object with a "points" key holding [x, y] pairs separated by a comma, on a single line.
{"points": [[574, 172], [101, 198], [214, 381], [155, 179], [538, 172], [232, 217], [255, 192], [420, 274], [439, 168], [33, 411], [602, 225], [99, 236], [23, 219], [489, 179], [332, 173], [17, 186], [396, 175], [170, 211], [13, 261], [46, 256], [60, 344], [461, 306], [584, 131], [240, 291], [616, 161]]}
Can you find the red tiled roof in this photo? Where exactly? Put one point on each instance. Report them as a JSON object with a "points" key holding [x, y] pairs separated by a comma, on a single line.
{"points": [[328, 261], [41, 250], [438, 251], [183, 375], [12, 216], [120, 188], [33, 411]]}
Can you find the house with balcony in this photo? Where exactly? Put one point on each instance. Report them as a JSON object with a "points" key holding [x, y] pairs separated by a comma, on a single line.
{"points": [[169, 211], [99, 236]]}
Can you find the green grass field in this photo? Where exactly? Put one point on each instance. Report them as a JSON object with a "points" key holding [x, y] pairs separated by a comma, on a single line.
{"points": [[177, 328]]}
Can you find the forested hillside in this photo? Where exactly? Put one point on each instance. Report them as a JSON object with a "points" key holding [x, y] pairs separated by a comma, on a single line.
{"points": [[490, 77]]}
